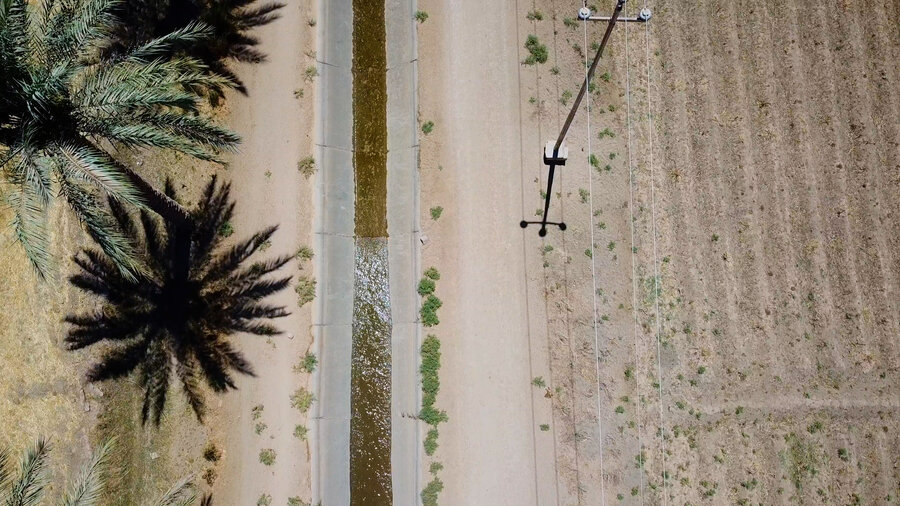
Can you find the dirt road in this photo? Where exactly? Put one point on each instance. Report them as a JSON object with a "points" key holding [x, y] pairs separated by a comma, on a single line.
{"points": [[276, 125]]}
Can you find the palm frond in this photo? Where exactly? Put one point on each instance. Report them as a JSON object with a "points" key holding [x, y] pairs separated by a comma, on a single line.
{"points": [[171, 43], [28, 488], [86, 489], [100, 226], [5, 473], [30, 226], [179, 493], [88, 164]]}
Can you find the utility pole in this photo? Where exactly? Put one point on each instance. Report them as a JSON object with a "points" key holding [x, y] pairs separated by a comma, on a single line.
{"points": [[556, 153]]}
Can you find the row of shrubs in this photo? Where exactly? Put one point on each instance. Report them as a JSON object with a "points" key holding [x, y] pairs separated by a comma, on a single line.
{"points": [[431, 383]]}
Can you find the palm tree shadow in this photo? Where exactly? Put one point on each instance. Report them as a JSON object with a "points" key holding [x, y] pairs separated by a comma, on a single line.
{"points": [[175, 317]]}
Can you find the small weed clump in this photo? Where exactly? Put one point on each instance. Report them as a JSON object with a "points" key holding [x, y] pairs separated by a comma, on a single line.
{"points": [[539, 382], [566, 96], [306, 290], [310, 74], [307, 364], [267, 456], [302, 399], [211, 452], [606, 132], [256, 412], [304, 253], [537, 52], [433, 273], [570, 23], [421, 16], [436, 212], [300, 432], [307, 166], [296, 501], [264, 500], [427, 127], [226, 229], [534, 16], [545, 427]]}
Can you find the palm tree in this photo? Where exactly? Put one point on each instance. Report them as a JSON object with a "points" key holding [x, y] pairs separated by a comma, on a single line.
{"points": [[230, 22], [61, 104], [173, 320], [27, 488]]}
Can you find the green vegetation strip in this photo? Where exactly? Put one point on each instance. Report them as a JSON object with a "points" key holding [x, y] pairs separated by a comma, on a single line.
{"points": [[431, 383]]}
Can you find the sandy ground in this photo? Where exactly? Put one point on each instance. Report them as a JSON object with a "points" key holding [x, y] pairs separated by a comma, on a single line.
{"points": [[770, 184], [276, 126], [471, 165]]}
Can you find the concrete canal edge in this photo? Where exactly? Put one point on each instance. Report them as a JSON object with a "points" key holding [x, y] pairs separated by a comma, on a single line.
{"points": [[334, 247]]}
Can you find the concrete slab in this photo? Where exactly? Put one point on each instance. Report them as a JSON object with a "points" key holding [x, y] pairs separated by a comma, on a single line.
{"points": [[401, 110], [403, 248], [405, 441], [336, 107], [336, 173], [404, 274], [336, 289], [336, 44], [335, 251], [336, 351], [401, 46], [334, 466]]}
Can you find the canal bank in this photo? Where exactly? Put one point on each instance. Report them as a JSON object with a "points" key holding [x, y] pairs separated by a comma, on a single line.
{"points": [[339, 309]]}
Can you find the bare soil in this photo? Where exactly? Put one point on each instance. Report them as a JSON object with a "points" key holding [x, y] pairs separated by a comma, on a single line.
{"points": [[742, 218], [764, 161]]}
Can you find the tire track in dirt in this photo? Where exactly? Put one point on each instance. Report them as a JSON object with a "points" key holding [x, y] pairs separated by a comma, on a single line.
{"points": [[877, 243], [855, 210], [743, 185], [773, 230], [800, 160]]}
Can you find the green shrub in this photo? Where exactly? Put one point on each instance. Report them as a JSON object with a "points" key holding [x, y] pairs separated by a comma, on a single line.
{"points": [[300, 432], [264, 500], [427, 127], [433, 416], [426, 286], [432, 273], [535, 16], [436, 212], [431, 443], [545, 427], [537, 51], [539, 382], [421, 16], [430, 492], [429, 311]]}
